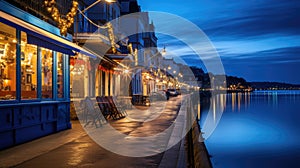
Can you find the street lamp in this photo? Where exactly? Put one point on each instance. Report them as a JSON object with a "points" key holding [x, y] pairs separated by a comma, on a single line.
{"points": [[109, 1], [163, 52]]}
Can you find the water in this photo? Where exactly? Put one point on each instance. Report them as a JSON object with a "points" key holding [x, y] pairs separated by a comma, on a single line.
{"points": [[259, 129]]}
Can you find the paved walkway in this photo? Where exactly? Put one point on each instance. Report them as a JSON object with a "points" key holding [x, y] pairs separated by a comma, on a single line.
{"points": [[76, 148]]}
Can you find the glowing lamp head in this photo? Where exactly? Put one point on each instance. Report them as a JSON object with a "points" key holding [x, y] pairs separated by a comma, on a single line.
{"points": [[110, 1]]}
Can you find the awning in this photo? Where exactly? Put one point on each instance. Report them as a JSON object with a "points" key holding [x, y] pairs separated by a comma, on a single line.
{"points": [[46, 44], [44, 38]]}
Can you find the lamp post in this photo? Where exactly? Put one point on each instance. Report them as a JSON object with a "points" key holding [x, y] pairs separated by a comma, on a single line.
{"points": [[163, 52]]}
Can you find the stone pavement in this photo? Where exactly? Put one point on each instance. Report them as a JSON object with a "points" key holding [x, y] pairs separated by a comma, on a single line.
{"points": [[137, 142]]}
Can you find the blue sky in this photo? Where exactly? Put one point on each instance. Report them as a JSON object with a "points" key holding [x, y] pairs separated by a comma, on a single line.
{"points": [[256, 39]]}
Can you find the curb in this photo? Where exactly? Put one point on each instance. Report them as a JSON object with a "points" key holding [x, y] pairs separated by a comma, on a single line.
{"points": [[177, 152]]}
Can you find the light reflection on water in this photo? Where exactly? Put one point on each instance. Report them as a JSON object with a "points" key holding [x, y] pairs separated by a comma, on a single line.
{"points": [[259, 129], [213, 115]]}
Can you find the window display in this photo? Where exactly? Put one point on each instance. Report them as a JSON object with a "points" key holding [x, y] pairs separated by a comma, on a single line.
{"points": [[78, 76], [60, 75], [28, 69], [47, 69], [8, 43]]}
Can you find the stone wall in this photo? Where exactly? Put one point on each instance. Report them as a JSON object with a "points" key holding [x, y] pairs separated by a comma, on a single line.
{"points": [[200, 155]]}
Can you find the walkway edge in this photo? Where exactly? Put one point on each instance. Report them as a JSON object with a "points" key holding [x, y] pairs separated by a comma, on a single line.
{"points": [[177, 152]]}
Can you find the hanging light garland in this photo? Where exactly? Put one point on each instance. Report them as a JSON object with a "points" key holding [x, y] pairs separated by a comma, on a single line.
{"points": [[63, 22], [109, 28], [66, 22], [111, 36]]}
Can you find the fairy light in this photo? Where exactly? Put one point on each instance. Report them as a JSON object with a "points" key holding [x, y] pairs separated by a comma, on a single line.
{"points": [[111, 36], [63, 23]]}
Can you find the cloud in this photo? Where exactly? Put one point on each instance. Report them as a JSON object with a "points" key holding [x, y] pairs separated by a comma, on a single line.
{"points": [[176, 48], [249, 46], [274, 56], [269, 17], [258, 40], [268, 65]]}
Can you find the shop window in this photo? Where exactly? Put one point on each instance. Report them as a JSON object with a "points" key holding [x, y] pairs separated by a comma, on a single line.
{"points": [[60, 76], [28, 69], [47, 71], [8, 43], [78, 76]]}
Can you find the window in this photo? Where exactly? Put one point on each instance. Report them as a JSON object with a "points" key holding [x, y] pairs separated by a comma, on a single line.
{"points": [[78, 76], [8, 43], [28, 69], [47, 70], [60, 75]]}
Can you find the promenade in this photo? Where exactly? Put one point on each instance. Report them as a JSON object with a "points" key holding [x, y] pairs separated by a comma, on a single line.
{"points": [[76, 148]]}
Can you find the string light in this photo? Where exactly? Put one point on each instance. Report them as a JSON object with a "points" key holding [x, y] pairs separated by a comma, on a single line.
{"points": [[111, 36], [63, 23], [109, 28], [98, 26]]}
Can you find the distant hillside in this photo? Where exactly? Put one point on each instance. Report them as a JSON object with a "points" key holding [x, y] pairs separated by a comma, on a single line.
{"points": [[235, 83], [273, 85]]}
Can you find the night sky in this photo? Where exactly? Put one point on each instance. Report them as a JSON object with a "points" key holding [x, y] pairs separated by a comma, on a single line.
{"points": [[256, 40]]}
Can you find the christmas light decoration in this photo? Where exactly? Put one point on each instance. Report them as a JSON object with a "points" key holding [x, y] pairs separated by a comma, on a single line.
{"points": [[64, 21], [111, 36]]}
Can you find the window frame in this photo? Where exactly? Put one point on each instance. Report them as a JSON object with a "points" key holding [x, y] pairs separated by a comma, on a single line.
{"points": [[65, 64]]}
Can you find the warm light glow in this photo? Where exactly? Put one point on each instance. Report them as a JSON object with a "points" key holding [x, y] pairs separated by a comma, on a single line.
{"points": [[126, 71], [110, 1], [14, 41], [6, 81], [180, 75], [63, 23]]}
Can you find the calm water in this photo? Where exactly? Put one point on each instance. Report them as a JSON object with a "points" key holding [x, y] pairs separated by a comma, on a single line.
{"points": [[259, 129]]}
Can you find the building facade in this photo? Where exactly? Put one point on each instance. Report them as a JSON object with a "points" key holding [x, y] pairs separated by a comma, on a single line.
{"points": [[42, 71], [92, 30], [34, 74]]}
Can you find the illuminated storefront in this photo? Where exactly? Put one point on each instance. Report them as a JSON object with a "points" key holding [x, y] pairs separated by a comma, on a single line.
{"points": [[34, 77], [92, 80]]}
